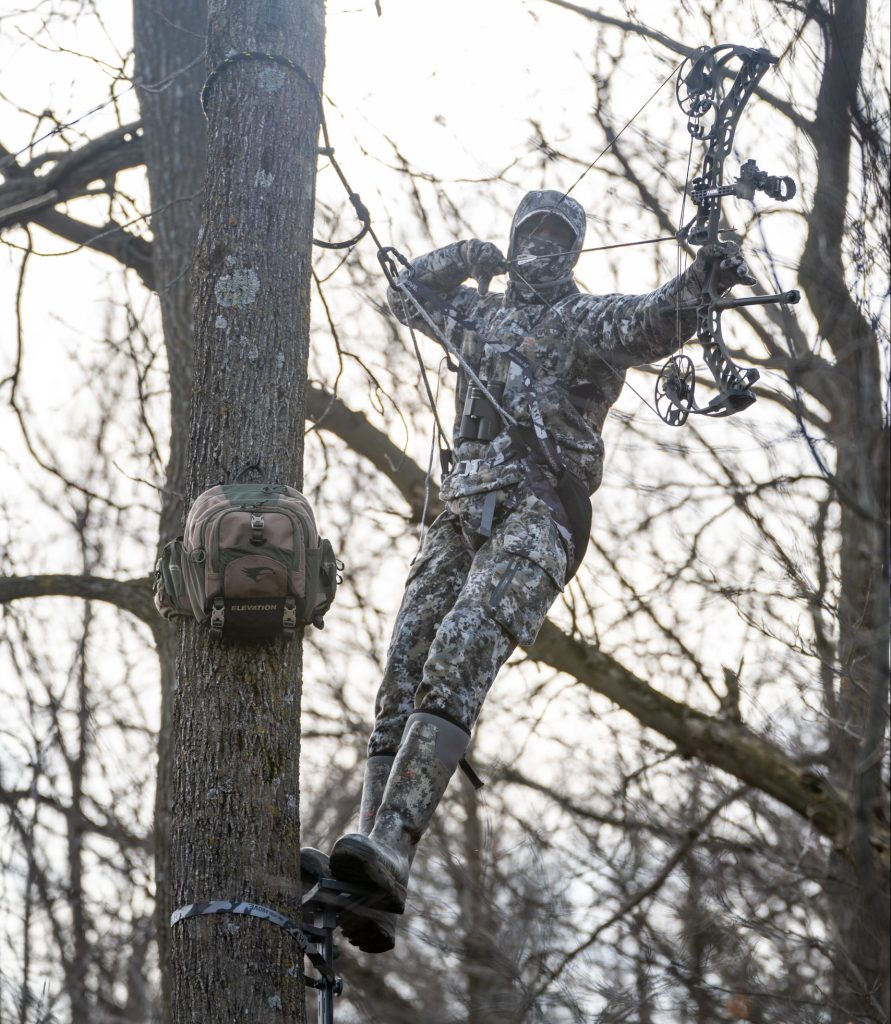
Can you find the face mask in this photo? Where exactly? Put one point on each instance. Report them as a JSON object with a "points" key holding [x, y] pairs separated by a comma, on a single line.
{"points": [[542, 260], [543, 264]]}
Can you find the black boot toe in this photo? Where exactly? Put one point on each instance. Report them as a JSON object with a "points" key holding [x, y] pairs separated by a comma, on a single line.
{"points": [[358, 858]]}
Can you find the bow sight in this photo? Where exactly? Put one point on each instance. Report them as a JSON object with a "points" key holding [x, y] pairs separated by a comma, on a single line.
{"points": [[700, 92]]}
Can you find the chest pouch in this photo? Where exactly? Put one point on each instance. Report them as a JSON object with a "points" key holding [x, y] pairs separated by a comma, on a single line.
{"points": [[480, 420], [251, 564]]}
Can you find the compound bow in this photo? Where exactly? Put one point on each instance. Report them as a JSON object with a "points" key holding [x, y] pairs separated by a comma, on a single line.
{"points": [[700, 91]]}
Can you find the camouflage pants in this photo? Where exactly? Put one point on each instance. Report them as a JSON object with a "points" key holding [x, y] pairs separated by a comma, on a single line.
{"points": [[463, 613]]}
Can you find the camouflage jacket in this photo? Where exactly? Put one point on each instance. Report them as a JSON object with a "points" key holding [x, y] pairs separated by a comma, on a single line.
{"points": [[580, 346]]}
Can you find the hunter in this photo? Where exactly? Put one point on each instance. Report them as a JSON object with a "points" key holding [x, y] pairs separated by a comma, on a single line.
{"points": [[515, 525]]}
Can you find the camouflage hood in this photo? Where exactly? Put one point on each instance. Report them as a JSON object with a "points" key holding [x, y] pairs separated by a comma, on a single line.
{"points": [[549, 277]]}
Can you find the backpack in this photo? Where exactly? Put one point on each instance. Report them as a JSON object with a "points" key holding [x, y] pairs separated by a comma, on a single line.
{"points": [[250, 563]]}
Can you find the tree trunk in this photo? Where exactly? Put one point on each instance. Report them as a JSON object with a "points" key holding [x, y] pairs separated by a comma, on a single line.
{"points": [[235, 826], [859, 894], [169, 37]]}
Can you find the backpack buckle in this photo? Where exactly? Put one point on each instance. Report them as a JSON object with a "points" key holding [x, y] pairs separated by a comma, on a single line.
{"points": [[257, 523], [217, 618], [289, 618]]}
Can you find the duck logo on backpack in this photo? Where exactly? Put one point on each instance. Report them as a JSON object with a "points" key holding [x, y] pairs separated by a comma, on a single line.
{"points": [[258, 573]]}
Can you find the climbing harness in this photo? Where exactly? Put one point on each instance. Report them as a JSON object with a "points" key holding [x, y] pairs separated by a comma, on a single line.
{"points": [[322, 907], [533, 447]]}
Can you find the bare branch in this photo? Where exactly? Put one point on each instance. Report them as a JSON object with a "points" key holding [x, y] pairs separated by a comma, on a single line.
{"points": [[691, 839], [134, 596], [110, 828], [74, 171], [111, 240], [330, 413], [723, 744], [29, 199], [633, 28]]}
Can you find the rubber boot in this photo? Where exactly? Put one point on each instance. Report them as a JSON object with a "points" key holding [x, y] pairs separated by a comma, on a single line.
{"points": [[373, 931], [314, 863], [313, 866], [428, 756]]}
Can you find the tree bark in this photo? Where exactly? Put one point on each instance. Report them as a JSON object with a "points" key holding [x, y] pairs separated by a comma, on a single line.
{"points": [[169, 40], [235, 828], [859, 893]]}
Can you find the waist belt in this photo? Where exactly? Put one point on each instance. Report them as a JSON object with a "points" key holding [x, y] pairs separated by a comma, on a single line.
{"points": [[566, 499], [467, 466]]}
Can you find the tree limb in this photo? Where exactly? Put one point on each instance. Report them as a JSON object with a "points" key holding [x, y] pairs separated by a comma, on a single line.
{"points": [[73, 171], [134, 595], [110, 829], [727, 745], [111, 240], [330, 413], [26, 198], [682, 850], [633, 28]]}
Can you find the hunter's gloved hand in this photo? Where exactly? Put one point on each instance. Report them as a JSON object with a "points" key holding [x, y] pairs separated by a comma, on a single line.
{"points": [[732, 267], [483, 260]]}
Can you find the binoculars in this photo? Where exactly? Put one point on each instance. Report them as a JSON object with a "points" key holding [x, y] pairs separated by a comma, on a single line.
{"points": [[480, 420]]}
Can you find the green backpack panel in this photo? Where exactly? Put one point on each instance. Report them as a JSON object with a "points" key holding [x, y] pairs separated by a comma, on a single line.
{"points": [[251, 563]]}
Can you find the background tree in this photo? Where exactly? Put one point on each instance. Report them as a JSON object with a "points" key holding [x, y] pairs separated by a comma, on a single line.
{"points": [[681, 870]]}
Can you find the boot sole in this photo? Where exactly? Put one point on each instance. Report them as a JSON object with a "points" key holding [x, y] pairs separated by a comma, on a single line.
{"points": [[355, 862], [371, 936]]}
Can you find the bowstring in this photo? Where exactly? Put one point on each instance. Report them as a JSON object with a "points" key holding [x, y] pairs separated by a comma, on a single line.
{"points": [[627, 124], [615, 371], [616, 138], [622, 377]]}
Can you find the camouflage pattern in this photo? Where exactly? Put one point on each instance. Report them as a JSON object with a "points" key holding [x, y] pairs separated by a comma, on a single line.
{"points": [[543, 270], [463, 613], [251, 559], [377, 771], [581, 346], [469, 600]]}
